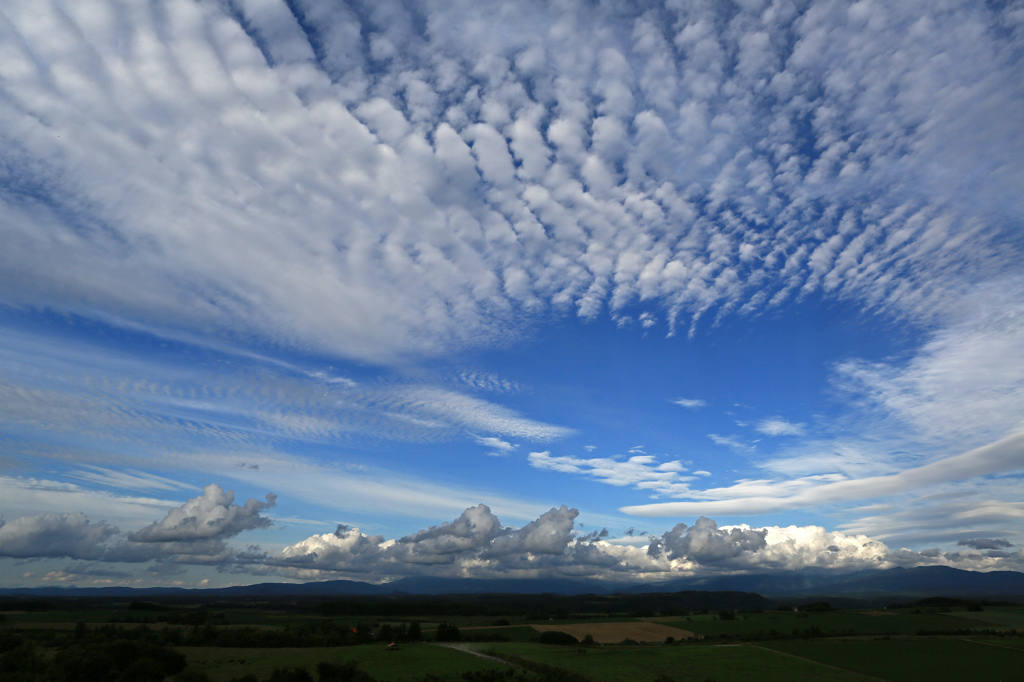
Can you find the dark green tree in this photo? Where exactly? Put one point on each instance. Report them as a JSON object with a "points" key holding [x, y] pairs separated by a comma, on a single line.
{"points": [[290, 675], [446, 632], [346, 672]]}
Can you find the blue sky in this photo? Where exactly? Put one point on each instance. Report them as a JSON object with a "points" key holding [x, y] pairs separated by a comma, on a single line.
{"points": [[631, 291]]}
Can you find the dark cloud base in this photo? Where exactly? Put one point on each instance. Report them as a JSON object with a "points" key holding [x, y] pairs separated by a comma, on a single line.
{"points": [[474, 545]]}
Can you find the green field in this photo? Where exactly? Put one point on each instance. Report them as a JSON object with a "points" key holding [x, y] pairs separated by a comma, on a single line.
{"points": [[411, 661], [910, 644], [995, 616], [834, 623], [1000, 642], [914, 660], [736, 663], [514, 633]]}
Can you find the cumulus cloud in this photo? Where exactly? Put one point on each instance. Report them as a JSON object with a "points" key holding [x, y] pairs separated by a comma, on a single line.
{"points": [[212, 515], [473, 530], [54, 535], [690, 403], [476, 544], [194, 533], [476, 539], [705, 543], [343, 550]]}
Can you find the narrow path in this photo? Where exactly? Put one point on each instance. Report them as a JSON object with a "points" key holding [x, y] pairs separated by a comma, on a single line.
{"points": [[811, 660], [998, 646], [479, 654]]}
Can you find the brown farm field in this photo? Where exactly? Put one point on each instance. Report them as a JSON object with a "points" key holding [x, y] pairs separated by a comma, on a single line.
{"points": [[613, 633]]}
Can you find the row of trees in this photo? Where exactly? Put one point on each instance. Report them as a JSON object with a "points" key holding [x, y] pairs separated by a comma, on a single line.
{"points": [[117, 660]]}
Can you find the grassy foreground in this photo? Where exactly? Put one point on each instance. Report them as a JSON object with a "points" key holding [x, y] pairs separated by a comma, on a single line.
{"points": [[915, 660], [729, 663], [412, 661]]}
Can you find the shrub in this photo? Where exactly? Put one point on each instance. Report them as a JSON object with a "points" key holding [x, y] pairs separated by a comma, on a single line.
{"points": [[446, 632], [290, 675], [557, 637], [347, 672]]}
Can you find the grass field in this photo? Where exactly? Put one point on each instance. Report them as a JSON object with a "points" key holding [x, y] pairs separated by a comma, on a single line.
{"points": [[514, 633], [995, 616], [829, 623], [410, 661], [1000, 642], [832, 646], [739, 663], [613, 633], [914, 660]]}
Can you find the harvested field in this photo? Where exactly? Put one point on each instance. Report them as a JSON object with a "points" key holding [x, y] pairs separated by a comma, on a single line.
{"points": [[613, 633]]}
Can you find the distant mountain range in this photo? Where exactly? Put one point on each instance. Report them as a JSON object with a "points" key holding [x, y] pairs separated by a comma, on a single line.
{"points": [[924, 581]]}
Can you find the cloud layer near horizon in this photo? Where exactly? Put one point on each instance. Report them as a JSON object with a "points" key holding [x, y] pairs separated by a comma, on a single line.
{"points": [[461, 169], [475, 545], [194, 533]]}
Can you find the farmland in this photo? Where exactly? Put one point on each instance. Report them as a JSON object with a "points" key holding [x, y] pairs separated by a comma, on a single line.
{"points": [[410, 662], [444, 639], [914, 660], [613, 633]]}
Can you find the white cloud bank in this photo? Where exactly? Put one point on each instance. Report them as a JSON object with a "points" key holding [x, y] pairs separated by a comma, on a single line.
{"points": [[475, 544], [194, 533]]}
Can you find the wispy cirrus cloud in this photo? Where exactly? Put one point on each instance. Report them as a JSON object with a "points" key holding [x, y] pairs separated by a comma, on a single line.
{"points": [[128, 480], [107, 405], [777, 426], [762, 496], [497, 446], [472, 413], [733, 442]]}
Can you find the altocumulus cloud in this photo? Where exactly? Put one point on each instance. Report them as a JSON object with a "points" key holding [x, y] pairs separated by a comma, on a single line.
{"points": [[581, 158]]}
